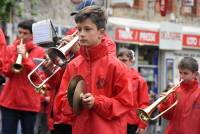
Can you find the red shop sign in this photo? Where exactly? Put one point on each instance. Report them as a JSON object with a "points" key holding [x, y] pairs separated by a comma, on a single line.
{"points": [[137, 36], [190, 40]]}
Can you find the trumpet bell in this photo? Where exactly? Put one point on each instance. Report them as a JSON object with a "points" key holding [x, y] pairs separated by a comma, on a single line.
{"points": [[75, 92], [143, 115], [17, 68], [56, 56]]}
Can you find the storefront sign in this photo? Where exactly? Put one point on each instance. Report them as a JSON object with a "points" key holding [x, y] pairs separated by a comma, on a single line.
{"points": [[137, 36], [192, 41], [170, 36]]}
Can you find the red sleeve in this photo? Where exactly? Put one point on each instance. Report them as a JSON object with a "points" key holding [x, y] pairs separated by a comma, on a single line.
{"points": [[2, 38], [143, 98], [61, 108], [8, 61], [166, 104], [2, 49]]}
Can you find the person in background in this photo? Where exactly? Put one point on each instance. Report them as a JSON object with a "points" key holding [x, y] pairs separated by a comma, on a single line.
{"points": [[18, 99], [135, 125], [183, 118]]}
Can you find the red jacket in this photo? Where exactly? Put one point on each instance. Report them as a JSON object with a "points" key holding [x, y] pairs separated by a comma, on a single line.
{"points": [[107, 79], [60, 117], [2, 48], [18, 93], [54, 84], [184, 117], [142, 98]]}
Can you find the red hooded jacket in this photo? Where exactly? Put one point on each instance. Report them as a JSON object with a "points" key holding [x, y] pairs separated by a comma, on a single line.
{"points": [[142, 98], [107, 79], [60, 100], [18, 93], [184, 117]]}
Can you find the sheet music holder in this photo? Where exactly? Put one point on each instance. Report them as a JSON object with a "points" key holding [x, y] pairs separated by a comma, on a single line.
{"points": [[44, 33]]}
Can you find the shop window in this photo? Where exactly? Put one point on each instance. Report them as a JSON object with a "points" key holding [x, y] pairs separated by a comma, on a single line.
{"points": [[148, 66]]}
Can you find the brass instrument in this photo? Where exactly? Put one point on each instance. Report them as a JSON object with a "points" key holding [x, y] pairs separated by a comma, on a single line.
{"points": [[57, 57], [18, 66], [145, 114]]}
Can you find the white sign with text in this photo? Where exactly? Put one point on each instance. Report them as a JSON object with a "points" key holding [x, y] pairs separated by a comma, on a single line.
{"points": [[170, 36]]}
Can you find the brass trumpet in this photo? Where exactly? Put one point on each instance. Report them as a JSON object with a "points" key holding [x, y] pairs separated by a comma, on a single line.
{"points": [[55, 56], [145, 114], [18, 66]]}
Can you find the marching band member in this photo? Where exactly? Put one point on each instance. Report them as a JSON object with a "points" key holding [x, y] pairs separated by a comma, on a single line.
{"points": [[135, 125], [107, 97], [184, 117], [18, 99]]}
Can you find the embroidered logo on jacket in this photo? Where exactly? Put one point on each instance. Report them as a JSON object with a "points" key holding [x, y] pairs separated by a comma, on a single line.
{"points": [[101, 83]]}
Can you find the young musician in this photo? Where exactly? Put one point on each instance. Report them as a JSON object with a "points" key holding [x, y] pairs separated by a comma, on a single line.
{"points": [[61, 122], [107, 97], [184, 117], [18, 99]]}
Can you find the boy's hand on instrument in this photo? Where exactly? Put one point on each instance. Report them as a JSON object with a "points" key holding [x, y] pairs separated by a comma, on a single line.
{"points": [[88, 100], [65, 40], [21, 50], [164, 94]]}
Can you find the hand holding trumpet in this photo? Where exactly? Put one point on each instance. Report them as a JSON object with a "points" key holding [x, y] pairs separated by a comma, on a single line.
{"points": [[21, 49], [65, 40]]}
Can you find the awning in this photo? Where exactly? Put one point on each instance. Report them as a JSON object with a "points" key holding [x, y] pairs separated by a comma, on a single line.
{"points": [[133, 23], [126, 30]]}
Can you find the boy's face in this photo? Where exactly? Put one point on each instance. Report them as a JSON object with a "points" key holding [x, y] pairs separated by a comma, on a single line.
{"points": [[88, 33], [187, 74], [24, 34], [124, 57]]}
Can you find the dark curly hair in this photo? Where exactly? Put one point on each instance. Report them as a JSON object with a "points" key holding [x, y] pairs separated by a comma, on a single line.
{"points": [[95, 13]]}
